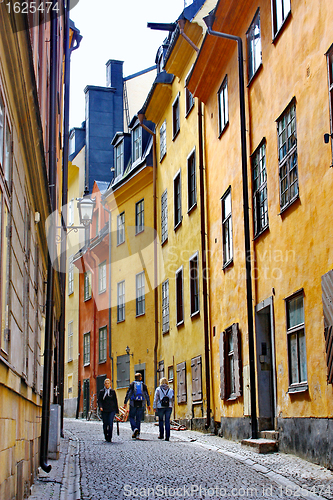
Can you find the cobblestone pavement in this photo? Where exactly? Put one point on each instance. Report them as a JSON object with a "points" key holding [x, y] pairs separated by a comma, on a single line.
{"points": [[190, 466]]}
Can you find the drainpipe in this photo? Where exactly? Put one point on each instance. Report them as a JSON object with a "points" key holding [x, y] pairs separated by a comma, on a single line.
{"points": [[110, 337], [181, 24], [209, 20], [141, 118], [204, 262], [50, 271]]}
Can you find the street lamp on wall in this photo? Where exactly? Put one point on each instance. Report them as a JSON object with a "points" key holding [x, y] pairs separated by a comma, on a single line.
{"points": [[128, 351], [86, 209]]}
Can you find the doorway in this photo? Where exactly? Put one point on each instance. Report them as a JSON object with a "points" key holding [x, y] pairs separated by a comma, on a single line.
{"points": [[266, 365], [86, 397]]}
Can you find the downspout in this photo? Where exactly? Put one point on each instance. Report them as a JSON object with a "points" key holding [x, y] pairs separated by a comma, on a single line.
{"points": [[110, 336], [50, 271], [141, 118], [209, 20], [181, 24], [204, 263]]}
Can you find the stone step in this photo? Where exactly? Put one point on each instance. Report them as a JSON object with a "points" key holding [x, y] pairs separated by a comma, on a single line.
{"points": [[273, 435], [261, 445]]}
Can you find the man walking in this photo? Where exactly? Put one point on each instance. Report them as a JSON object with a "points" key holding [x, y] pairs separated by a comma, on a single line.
{"points": [[108, 404], [137, 394]]}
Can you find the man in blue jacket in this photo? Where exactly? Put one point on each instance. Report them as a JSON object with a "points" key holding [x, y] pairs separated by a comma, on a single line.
{"points": [[137, 395]]}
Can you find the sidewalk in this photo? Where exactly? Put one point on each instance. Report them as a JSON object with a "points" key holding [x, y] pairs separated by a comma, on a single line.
{"points": [[62, 482]]}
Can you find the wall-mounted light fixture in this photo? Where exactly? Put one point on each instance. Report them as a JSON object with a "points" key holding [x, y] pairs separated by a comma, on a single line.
{"points": [[128, 351], [327, 138]]}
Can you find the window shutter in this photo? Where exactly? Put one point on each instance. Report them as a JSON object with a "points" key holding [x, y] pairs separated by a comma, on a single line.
{"points": [[223, 375], [327, 298], [181, 383], [196, 379], [237, 359]]}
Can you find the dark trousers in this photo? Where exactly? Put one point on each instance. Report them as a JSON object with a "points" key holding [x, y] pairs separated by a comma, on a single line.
{"points": [[164, 421], [108, 417], [135, 417]]}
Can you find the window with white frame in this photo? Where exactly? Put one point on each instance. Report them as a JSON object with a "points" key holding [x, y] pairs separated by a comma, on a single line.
{"points": [[2, 130], [71, 212], [86, 349], [296, 341], [163, 144], [330, 90], [191, 181], [259, 175], [223, 106], [288, 170], [87, 285], [179, 297], [137, 143], [164, 216], [102, 277], [70, 275], [121, 301], [70, 341], [194, 284], [5, 142], [227, 228], [102, 344], [140, 293], [165, 306], [280, 11], [253, 36], [139, 217], [189, 101], [175, 117], [119, 158], [120, 228], [177, 190]]}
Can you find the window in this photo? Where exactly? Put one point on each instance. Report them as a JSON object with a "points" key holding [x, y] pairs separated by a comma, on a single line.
{"points": [[164, 216], [296, 342], [102, 277], [161, 369], [179, 297], [137, 143], [70, 341], [71, 212], [230, 363], [121, 301], [87, 285], [194, 284], [181, 383], [175, 117], [196, 364], [86, 349], [102, 344], [170, 373], [70, 275], [189, 101], [330, 89], [287, 142], [123, 371], [191, 181], [139, 216], [280, 11], [97, 221], [8, 152], [140, 293], [5, 142], [119, 159], [222, 97], [227, 228], [120, 228], [260, 207], [165, 306], [177, 200], [254, 45], [163, 145], [2, 129]]}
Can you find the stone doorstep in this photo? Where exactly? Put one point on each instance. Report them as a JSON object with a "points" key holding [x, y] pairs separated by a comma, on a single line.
{"points": [[260, 445], [272, 435]]}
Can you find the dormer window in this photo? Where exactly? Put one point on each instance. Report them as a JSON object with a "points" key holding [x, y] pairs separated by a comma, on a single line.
{"points": [[119, 158], [137, 143]]}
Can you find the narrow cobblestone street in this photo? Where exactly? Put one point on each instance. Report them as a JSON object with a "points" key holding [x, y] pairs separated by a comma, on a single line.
{"points": [[190, 466]]}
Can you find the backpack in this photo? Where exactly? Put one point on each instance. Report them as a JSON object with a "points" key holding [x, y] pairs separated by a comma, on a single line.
{"points": [[137, 396], [165, 400]]}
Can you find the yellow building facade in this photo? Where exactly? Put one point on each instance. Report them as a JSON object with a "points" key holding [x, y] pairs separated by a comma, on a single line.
{"points": [[288, 101]]}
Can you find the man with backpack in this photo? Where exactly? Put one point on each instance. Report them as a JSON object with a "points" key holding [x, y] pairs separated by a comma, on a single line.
{"points": [[137, 394]]}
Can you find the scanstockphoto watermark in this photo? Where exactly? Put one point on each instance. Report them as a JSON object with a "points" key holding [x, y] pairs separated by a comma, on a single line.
{"points": [[195, 491], [23, 13]]}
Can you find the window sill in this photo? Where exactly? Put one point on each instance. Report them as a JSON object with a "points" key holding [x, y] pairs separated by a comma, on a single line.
{"points": [[102, 291], [162, 157], [139, 232], [224, 129], [285, 208], [190, 210], [70, 360], [189, 111], [195, 314], [101, 362], [232, 397], [175, 135], [139, 315], [253, 77], [297, 388], [166, 332], [164, 242], [86, 299], [262, 231], [120, 243], [228, 264], [86, 364], [181, 323], [276, 35], [177, 226], [70, 293], [120, 321]]}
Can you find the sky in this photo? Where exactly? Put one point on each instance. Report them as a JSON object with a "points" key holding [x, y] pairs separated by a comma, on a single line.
{"points": [[114, 30]]}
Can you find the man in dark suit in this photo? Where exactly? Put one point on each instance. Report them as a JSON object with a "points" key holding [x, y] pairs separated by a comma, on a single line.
{"points": [[108, 405]]}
